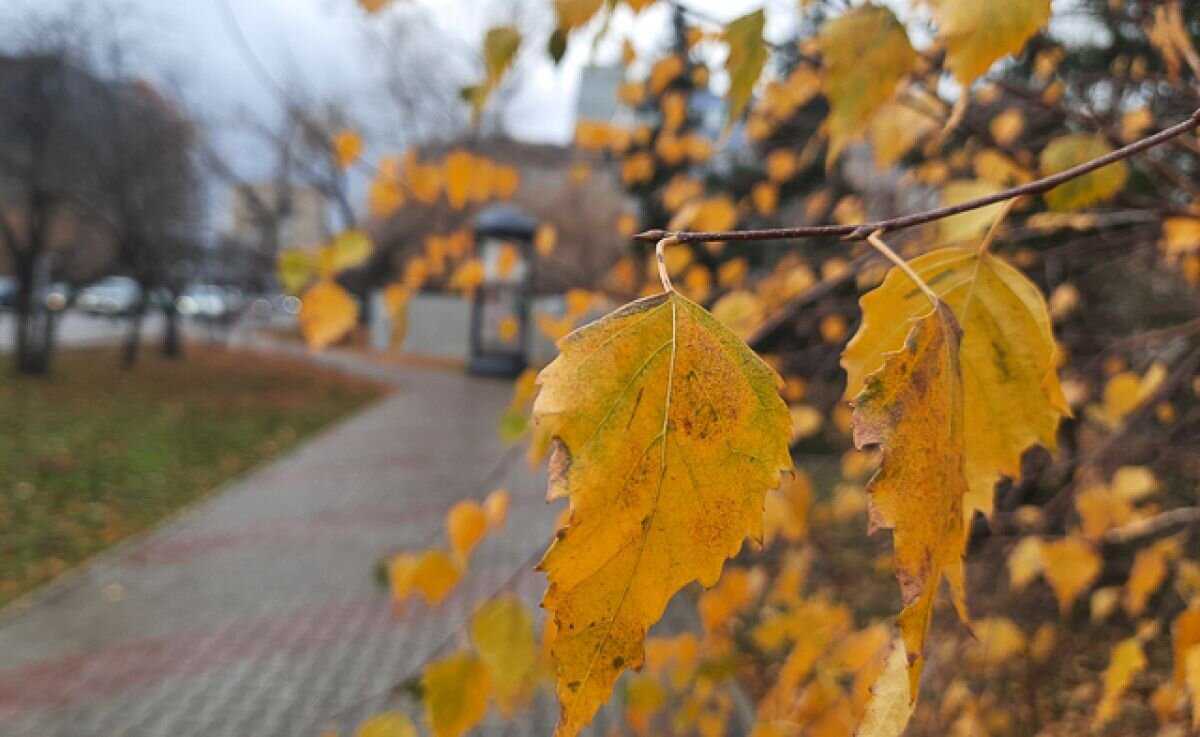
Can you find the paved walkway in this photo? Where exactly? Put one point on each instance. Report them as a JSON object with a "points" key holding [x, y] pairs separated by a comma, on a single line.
{"points": [[256, 613]]}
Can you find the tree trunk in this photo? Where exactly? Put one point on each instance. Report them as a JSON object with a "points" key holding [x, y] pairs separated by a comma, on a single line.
{"points": [[33, 346], [133, 339], [172, 346]]}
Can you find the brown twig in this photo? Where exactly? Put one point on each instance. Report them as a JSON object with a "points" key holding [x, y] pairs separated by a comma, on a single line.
{"points": [[855, 232], [1153, 525]]}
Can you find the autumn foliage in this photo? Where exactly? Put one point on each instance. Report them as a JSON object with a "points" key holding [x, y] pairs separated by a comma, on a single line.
{"points": [[1012, 445]]}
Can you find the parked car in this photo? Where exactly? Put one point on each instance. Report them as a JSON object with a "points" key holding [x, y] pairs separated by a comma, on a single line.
{"points": [[114, 296], [209, 302]]}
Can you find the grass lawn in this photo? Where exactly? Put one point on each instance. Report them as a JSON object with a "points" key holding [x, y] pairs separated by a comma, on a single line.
{"points": [[94, 454]]}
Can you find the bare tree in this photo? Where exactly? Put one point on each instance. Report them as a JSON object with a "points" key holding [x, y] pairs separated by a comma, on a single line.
{"points": [[50, 137]]}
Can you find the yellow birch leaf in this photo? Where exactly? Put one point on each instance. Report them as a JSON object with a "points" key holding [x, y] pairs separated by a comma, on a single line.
{"points": [[435, 575], [507, 258], [454, 691], [891, 704], [506, 180], [781, 165], [495, 506], [806, 421], [387, 724], [347, 147], [1076, 148], [508, 329], [401, 569], [747, 57], [294, 269], [1126, 661], [912, 408], [1180, 236], [395, 301], [574, 13], [374, 6], [865, 55], [1025, 563], [1191, 667], [666, 442], [545, 238], [765, 197], [998, 639], [466, 524], [351, 248], [1185, 634], [967, 226], [894, 130], [468, 275], [327, 314], [742, 311], [459, 167], [977, 34], [502, 631], [1006, 126], [1145, 577], [787, 508], [1012, 395], [1071, 565], [1103, 602]]}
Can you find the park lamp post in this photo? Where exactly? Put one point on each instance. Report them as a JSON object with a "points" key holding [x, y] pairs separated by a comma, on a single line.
{"points": [[500, 308]]}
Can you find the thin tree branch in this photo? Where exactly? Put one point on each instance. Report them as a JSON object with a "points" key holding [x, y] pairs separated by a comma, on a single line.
{"points": [[861, 231]]}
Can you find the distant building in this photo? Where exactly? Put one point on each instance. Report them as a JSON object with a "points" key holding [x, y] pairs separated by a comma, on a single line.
{"points": [[302, 215]]}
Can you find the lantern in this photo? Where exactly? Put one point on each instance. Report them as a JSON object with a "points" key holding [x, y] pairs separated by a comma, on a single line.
{"points": [[501, 306]]}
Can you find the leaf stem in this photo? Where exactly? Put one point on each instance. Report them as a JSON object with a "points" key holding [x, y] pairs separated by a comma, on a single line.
{"points": [[995, 228], [901, 264], [660, 257], [864, 230]]}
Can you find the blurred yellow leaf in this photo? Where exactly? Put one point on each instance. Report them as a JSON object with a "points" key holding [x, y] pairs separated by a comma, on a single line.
{"points": [[1025, 563], [977, 34], [765, 197], [1007, 126], [454, 691], [435, 575], [741, 311], [912, 409], [895, 129], [1181, 236], [678, 393], [495, 507], [574, 13], [865, 55], [1076, 148], [545, 238], [1145, 577], [967, 226], [747, 57], [999, 640], [387, 724], [507, 258], [787, 508], [508, 329], [502, 631], [466, 524], [395, 301], [1126, 661], [467, 276], [458, 170], [347, 147], [806, 421], [351, 248], [1070, 565], [327, 314], [781, 165], [294, 269]]}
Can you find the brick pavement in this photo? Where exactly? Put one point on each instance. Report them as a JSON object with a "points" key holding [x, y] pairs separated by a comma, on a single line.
{"points": [[256, 613]]}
